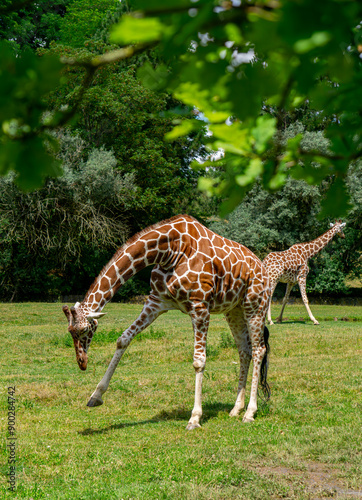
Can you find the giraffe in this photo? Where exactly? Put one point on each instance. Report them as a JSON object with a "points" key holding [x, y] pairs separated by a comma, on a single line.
{"points": [[291, 266], [199, 273]]}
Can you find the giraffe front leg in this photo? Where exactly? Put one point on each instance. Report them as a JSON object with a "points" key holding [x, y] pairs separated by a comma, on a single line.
{"points": [[200, 317], [151, 310], [302, 281], [285, 300], [96, 397], [239, 330]]}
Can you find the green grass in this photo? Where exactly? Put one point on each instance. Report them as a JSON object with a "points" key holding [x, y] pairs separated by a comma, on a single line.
{"points": [[305, 442]]}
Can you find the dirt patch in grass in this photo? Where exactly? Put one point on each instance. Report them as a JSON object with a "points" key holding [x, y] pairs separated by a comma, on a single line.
{"points": [[320, 480]]}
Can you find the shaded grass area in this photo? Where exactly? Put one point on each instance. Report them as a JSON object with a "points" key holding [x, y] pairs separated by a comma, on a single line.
{"points": [[135, 446]]}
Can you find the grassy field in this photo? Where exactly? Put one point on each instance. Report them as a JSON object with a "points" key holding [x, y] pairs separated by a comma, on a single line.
{"points": [[305, 442]]}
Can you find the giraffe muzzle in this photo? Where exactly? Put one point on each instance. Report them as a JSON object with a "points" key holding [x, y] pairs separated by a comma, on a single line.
{"points": [[81, 355]]}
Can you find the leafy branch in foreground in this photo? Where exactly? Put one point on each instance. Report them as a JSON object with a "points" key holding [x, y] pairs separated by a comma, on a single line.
{"points": [[231, 61]]}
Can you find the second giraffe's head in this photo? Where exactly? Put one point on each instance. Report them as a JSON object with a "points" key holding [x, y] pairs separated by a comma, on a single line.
{"points": [[339, 225], [82, 326]]}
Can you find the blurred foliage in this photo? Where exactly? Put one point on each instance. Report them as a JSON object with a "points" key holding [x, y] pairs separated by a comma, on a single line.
{"points": [[299, 51], [25, 143]]}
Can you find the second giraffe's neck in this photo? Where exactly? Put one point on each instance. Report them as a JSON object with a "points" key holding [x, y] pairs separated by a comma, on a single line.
{"points": [[315, 246]]}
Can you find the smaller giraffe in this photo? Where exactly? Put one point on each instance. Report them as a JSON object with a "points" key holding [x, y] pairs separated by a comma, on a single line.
{"points": [[291, 266]]}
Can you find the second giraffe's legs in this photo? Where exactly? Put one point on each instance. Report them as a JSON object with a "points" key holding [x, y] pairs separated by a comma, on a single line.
{"points": [[151, 310], [200, 318], [285, 300], [240, 333], [302, 281]]}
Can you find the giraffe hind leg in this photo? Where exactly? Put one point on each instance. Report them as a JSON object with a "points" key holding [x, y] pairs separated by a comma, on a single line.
{"points": [[239, 330], [302, 285], [255, 323]]}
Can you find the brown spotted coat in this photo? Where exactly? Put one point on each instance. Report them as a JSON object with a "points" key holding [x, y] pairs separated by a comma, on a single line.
{"points": [[291, 267], [197, 272]]}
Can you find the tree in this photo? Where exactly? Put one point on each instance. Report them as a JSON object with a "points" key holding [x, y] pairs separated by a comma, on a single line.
{"points": [[119, 113], [32, 24], [58, 235]]}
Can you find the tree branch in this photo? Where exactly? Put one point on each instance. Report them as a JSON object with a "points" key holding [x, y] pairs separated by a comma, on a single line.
{"points": [[108, 57]]}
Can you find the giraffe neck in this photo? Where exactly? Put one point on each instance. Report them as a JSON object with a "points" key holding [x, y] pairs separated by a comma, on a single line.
{"points": [[155, 245], [315, 246]]}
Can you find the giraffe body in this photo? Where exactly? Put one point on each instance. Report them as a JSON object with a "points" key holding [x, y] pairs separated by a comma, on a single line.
{"points": [[197, 272], [291, 267]]}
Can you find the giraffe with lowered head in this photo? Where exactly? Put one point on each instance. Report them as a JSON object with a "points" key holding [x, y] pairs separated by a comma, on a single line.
{"points": [[199, 273], [291, 267]]}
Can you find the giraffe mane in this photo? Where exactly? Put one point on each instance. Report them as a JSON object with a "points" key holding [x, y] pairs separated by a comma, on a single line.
{"points": [[129, 242]]}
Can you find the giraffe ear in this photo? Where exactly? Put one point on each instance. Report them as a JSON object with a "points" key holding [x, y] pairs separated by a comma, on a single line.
{"points": [[331, 224], [95, 315], [66, 312]]}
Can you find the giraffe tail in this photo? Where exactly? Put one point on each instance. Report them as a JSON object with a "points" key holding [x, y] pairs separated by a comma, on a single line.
{"points": [[264, 368]]}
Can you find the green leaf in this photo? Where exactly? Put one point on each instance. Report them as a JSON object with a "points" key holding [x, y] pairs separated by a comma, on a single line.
{"points": [[263, 132], [336, 202], [207, 185], [310, 171], [30, 160], [318, 39], [132, 29], [184, 128], [252, 172]]}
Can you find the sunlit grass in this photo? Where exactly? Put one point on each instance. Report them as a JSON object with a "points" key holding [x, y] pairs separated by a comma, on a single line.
{"points": [[135, 446]]}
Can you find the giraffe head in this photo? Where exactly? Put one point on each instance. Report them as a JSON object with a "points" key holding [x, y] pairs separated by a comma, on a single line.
{"points": [[338, 225], [82, 326]]}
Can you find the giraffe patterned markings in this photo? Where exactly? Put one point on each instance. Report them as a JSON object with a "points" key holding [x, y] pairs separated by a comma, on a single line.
{"points": [[197, 272], [291, 267]]}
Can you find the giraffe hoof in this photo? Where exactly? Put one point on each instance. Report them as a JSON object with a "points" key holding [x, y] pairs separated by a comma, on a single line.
{"points": [[234, 413], [248, 419], [94, 402], [191, 427]]}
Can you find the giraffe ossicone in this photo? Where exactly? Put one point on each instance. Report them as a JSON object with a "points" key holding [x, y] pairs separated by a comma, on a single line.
{"points": [[291, 267], [199, 273]]}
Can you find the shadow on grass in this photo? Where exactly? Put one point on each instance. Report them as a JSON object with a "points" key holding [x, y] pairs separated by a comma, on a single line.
{"points": [[290, 322], [210, 411]]}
